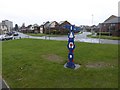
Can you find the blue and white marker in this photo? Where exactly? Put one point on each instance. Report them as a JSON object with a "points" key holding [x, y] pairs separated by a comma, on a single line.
{"points": [[71, 47]]}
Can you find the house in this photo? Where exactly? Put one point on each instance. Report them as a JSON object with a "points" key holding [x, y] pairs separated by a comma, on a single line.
{"points": [[94, 28], [42, 30], [50, 27], [36, 28], [85, 28], [111, 25], [43, 27], [111, 17], [55, 27], [9, 24], [23, 29], [30, 29], [77, 29], [62, 28]]}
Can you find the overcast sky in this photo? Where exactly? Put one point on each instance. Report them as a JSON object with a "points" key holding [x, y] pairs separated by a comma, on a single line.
{"points": [[78, 12]]}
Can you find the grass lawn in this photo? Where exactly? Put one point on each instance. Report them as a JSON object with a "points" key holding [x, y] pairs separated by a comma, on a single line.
{"points": [[40, 35], [105, 37], [32, 34], [31, 63]]}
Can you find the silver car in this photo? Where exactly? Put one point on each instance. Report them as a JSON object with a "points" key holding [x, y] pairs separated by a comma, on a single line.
{"points": [[5, 37]]}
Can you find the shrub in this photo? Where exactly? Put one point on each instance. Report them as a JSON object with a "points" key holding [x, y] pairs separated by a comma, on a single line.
{"points": [[104, 33]]}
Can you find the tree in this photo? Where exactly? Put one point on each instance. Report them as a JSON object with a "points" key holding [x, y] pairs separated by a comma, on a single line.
{"points": [[16, 27]]}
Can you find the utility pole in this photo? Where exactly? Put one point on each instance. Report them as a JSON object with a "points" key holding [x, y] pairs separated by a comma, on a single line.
{"points": [[100, 25], [92, 18], [49, 32], [44, 29], [92, 24], [109, 30], [92, 27]]}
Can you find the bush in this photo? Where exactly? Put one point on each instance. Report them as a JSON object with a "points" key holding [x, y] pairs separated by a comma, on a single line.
{"points": [[104, 33]]}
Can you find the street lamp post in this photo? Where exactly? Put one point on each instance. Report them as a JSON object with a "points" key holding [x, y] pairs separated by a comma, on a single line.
{"points": [[49, 32], [109, 30], [100, 31], [45, 33]]}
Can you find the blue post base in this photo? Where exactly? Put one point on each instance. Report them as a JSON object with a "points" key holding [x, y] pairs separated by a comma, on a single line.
{"points": [[70, 65]]}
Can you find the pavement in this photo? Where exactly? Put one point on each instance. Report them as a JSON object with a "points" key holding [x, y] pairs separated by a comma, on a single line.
{"points": [[3, 84]]}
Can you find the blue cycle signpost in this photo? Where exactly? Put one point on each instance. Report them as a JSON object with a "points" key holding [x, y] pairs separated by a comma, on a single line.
{"points": [[71, 47]]}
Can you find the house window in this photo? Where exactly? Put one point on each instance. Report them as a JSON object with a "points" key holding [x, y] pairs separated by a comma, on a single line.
{"points": [[112, 24], [104, 24]]}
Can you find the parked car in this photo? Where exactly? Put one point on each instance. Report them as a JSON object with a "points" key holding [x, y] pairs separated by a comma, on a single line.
{"points": [[9, 33], [12, 33], [5, 37], [15, 34]]}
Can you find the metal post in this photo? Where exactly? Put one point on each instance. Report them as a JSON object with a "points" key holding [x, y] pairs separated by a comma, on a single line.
{"points": [[100, 32], [49, 32], [109, 31], [92, 18], [45, 33], [92, 27], [71, 47]]}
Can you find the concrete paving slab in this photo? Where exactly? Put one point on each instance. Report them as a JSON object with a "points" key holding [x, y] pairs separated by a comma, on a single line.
{"points": [[76, 66]]}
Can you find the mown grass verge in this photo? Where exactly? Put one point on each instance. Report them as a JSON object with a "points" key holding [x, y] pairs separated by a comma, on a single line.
{"points": [[40, 35], [104, 37], [31, 63]]}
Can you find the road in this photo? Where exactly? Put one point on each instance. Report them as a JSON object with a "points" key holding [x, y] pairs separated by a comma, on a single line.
{"points": [[78, 37], [83, 38]]}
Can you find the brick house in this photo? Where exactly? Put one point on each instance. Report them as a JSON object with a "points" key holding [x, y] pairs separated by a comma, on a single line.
{"points": [[30, 29], [23, 29], [50, 27], [112, 25], [55, 27], [62, 29], [36, 28], [42, 30]]}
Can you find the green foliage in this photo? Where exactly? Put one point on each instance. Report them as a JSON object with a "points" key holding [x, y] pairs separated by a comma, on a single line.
{"points": [[27, 64], [16, 27], [40, 35], [104, 33], [104, 37]]}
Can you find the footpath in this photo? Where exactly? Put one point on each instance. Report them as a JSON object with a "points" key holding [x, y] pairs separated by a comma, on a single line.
{"points": [[3, 84]]}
